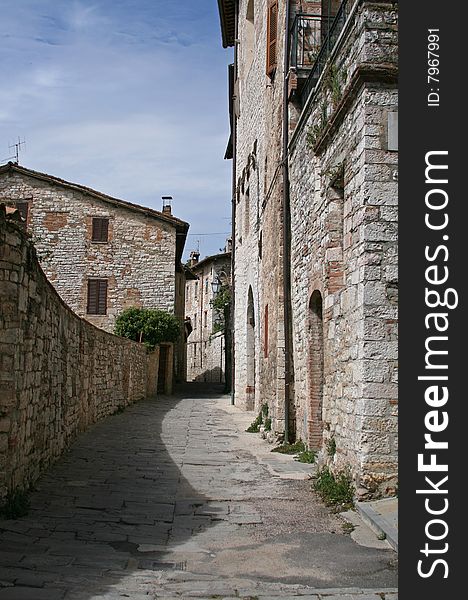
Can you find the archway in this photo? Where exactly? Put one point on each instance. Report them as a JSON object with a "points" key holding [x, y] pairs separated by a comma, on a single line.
{"points": [[250, 354], [315, 423]]}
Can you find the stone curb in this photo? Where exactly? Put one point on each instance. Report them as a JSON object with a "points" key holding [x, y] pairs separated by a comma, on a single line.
{"points": [[378, 523]]}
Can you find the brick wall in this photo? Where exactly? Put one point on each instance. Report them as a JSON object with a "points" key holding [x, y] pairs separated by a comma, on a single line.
{"points": [[58, 373]]}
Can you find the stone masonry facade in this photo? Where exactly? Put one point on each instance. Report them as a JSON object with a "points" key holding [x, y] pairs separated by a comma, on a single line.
{"points": [[342, 165], [258, 277], [206, 343], [139, 260], [58, 373], [344, 196]]}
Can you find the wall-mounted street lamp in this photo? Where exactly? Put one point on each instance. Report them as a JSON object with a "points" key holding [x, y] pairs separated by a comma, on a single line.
{"points": [[216, 286], [219, 282]]}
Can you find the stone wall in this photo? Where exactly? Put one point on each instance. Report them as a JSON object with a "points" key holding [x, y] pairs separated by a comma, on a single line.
{"points": [[58, 373], [259, 370], [343, 177], [138, 261], [213, 359], [180, 352]]}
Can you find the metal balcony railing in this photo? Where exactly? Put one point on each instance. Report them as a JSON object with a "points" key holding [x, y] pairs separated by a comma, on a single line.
{"points": [[332, 32], [306, 39]]}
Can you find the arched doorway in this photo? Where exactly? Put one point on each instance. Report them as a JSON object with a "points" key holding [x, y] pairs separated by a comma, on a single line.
{"points": [[250, 371], [315, 423]]}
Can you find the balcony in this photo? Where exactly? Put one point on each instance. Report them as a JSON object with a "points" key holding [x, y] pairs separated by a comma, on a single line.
{"points": [[312, 40]]}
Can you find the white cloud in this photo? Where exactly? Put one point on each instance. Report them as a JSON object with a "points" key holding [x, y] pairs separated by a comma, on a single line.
{"points": [[126, 97]]}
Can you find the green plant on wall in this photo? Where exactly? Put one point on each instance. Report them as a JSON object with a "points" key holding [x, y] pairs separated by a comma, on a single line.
{"points": [[221, 304], [331, 447], [315, 131], [335, 176], [254, 427], [336, 490], [148, 326], [261, 419], [334, 84]]}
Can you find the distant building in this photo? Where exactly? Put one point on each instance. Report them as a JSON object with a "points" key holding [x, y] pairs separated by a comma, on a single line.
{"points": [[206, 344], [102, 254]]}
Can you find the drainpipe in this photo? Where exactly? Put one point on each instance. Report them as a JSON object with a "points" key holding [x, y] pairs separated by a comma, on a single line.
{"points": [[233, 214], [286, 235]]}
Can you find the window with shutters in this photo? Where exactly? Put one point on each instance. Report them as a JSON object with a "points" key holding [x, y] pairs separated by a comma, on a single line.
{"points": [[97, 297], [100, 229], [272, 36]]}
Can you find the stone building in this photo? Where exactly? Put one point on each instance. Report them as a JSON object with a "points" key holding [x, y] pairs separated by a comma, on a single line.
{"points": [[206, 346], [101, 254], [314, 145]]}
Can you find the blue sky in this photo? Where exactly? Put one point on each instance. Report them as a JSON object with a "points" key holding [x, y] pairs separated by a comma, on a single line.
{"points": [[127, 97]]}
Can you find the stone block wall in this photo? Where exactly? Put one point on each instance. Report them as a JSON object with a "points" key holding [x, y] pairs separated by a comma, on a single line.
{"points": [[58, 373], [344, 250], [212, 350], [259, 358]]}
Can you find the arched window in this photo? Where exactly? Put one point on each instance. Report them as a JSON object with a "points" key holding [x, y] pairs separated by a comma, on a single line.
{"points": [[250, 338]]}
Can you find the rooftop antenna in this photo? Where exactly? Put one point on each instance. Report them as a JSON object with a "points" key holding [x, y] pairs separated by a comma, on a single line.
{"points": [[17, 146]]}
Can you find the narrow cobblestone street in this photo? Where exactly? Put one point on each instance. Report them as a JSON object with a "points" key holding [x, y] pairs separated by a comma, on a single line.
{"points": [[172, 499]]}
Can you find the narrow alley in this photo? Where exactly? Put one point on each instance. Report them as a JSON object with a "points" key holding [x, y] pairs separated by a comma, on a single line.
{"points": [[172, 499]]}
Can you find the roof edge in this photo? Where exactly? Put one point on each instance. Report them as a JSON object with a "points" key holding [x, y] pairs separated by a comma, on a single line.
{"points": [[227, 10], [181, 226], [211, 258]]}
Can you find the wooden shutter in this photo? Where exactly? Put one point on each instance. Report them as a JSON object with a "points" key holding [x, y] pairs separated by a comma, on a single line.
{"points": [[272, 35], [97, 297], [92, 296], [100, 229], [102, 297]]}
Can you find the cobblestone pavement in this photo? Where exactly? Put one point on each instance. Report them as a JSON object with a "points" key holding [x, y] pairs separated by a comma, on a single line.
{"points": [[172, 499]]}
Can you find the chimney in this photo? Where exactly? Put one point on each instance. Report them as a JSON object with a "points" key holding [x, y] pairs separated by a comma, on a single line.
{"points": [[194, 256], [228, 246], [166, 208]]}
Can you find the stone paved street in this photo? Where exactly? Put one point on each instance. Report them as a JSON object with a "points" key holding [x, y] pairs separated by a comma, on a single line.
{"points": [[172, 499]]}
